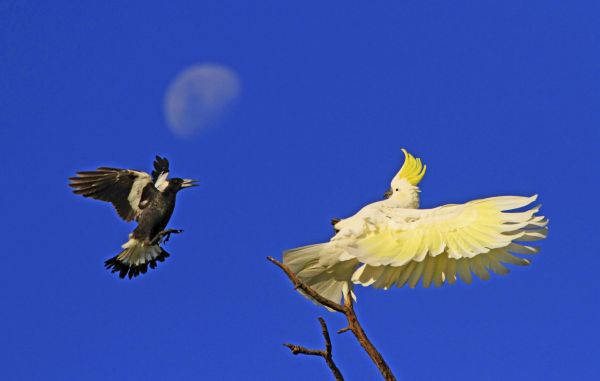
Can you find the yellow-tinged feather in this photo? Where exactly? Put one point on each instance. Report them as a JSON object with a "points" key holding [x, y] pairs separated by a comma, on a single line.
{"points": [[406, 273], [371, 274], [462, 247], [357, 275], [439, 274], [522, 249], [422, 247], [412, 170], [451, 271], [476, 240], [513, 227], [519, 216], [505, 257], [428, 271], [436, 244], [416, 274], [407, 244], [462, 267], [510, 202], [478, 268], [473, 245], [537, 222], [451, 247], [496, 266], [388, 278], [534, 235], [492, 239]]}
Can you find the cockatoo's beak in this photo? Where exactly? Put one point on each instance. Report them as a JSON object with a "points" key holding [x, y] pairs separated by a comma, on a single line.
{"points": [[188, 183], [388, 193]]}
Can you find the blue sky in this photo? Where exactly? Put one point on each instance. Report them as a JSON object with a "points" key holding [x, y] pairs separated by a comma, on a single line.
{"points": [[497, 97]]}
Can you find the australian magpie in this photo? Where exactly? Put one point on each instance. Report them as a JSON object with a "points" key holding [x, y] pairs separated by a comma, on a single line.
{"points": [[136, 195]]}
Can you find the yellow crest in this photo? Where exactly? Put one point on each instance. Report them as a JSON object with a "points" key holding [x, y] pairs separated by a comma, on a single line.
{"points": [[412, 170]]}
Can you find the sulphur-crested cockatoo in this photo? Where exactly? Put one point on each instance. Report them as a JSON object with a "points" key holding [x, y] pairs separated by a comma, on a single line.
{"points": [[394, 243]]}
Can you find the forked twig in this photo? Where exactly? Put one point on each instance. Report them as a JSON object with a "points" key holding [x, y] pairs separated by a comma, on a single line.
{"points": [[327, 354], [348, 310]]}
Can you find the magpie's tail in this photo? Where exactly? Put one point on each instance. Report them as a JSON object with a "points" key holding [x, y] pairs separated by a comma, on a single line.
{"points": [[135, 258]]}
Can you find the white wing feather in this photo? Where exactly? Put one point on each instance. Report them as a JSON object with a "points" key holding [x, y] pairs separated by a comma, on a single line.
{"points": [[384, 245], [399, 246]]}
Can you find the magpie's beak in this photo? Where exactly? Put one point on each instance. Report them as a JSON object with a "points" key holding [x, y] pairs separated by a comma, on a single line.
{"points": [[388, 193], [188, 183]]}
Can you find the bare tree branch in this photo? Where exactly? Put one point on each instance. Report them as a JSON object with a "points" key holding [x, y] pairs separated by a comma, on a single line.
{"points": [[364, 341], [348, 310], [307, 290], [327, 354]]}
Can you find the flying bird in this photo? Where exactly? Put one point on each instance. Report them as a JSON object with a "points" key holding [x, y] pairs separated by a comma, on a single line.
{"points": [[394, 243], [137, 196]]}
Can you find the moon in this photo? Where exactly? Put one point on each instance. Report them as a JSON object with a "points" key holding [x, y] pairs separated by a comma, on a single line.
{"points": [[199, 97]]}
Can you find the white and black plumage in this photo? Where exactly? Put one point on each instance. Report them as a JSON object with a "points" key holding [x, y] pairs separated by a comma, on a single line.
{"points": [[136, 195]]}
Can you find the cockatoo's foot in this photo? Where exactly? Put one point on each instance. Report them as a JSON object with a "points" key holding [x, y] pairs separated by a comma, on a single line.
{"points": [[165, 235]]}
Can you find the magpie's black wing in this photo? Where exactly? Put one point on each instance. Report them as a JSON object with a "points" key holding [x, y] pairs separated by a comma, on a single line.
{"points": [[121, 187], [161, 165]]}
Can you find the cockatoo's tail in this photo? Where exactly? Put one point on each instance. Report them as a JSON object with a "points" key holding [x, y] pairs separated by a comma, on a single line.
{"points": [[392, 243]]}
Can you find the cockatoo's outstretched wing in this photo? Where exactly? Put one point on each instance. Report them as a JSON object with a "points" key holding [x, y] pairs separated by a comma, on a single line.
{"points": [[402, 246]]}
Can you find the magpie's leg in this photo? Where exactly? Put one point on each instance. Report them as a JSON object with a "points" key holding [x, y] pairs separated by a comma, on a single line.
{"points": [[165, 235], [172, 231]]}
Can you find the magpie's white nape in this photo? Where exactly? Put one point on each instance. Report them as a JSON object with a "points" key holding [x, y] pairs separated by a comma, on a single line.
{"points": [[136, 195]]}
